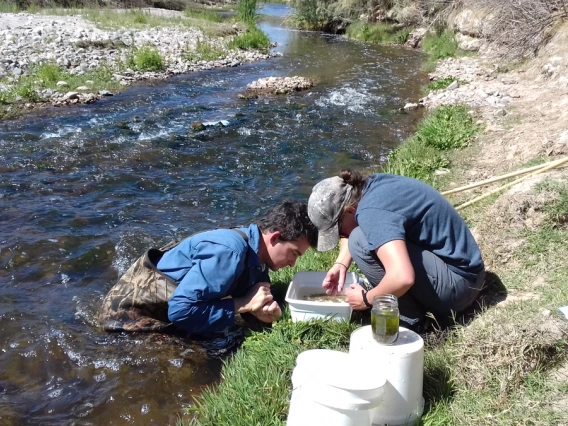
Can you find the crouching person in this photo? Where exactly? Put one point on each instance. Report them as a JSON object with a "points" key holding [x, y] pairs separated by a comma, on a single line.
{"points": [[203, 283]]}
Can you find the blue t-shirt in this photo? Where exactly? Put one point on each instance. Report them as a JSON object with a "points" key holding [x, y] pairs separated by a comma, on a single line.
{"points": [[208, 267], [401, 208]]}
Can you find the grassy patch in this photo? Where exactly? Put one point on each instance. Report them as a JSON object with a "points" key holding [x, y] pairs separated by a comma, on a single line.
{"points": [[440, 45], [442, 83], [130, 18], [203, 14], [377, 33], [246, 11], [252, 38], [557, 210], [9, 7], [146, 58], [446, 128], [204, 51], [29, 87]]}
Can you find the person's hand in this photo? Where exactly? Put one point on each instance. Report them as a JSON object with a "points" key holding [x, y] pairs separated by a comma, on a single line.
{"points": [[354, 296], [270, 312], [335, 279], [255, 299]]}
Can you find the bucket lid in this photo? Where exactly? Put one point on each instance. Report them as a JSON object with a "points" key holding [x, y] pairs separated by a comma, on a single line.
{"points": [[407, 343]]}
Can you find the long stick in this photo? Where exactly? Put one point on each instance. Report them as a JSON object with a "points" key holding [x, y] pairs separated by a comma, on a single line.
{"points": [[487, 194], [498, 178]]}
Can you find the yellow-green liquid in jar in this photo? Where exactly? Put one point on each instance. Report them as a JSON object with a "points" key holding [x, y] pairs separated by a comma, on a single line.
{"points": [[385, 325]]}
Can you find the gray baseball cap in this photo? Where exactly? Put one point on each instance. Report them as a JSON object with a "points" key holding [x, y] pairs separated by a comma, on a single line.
{"points": [[325, 205]]}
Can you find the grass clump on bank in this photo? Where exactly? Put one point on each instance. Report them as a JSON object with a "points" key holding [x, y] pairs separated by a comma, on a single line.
{"points": [[46, 76], [204, 51], [377, 33], [440, 45], [252, 38], [246, 11], [146, 58], [203, 14], [446, 128]]}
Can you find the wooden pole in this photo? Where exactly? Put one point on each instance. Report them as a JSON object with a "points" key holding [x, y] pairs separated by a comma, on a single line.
{"points": [[551, 165], [502, 177]]}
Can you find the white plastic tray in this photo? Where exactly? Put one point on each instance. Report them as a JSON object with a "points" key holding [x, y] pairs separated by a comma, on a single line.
{"points": [[308, 284]]}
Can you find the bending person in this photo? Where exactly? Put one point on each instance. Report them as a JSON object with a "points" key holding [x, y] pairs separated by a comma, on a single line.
{"points": [[406, 238], [202, 283]]}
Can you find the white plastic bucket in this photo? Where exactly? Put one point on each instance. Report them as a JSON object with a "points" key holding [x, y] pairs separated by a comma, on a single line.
{"points": [[402, 365], [330, 388]]}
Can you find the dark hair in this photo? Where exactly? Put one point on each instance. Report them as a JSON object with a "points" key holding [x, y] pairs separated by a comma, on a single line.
{"points": [[357, 181], [292, 221]]}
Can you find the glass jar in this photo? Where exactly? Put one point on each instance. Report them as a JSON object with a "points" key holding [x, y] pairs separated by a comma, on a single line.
{"points": [[385, 319]]}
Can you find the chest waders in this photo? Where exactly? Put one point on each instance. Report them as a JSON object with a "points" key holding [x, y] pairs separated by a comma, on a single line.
{"points": [[139, 300]]}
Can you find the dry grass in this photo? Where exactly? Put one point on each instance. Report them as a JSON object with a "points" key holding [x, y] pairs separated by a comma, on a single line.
{"points": [[519, 28], [501, 348]]}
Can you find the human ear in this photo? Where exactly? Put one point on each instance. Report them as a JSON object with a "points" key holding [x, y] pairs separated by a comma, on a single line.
{"points": [[275, 237]]}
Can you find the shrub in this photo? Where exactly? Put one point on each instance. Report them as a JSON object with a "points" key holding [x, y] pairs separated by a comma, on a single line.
{"points": [[204, 52], [28, 92], [246, 11], [49, 73], [377, 33], [146, 59], [448, 127], [253, 38], [440, 45]]}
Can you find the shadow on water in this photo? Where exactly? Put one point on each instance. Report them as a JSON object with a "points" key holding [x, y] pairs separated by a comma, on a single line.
{"points": [[85, 190]]}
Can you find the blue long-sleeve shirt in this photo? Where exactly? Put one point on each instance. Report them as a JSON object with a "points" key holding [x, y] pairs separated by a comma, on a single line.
{"points": [[208, 267]]}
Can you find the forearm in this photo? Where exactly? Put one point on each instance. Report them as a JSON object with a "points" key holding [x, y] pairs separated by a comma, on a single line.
{"points": [[344, 256], [389, 285]]}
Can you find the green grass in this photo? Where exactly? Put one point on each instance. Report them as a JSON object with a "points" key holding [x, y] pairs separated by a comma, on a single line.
{"points": [[557, 210], [46, 76], [130, 18], [443, 83], [445, 128], [246, 11], [9, 7], [204, 51], [146, 58], [377, 33], [440, 45], [203, 14], [252, 38]]}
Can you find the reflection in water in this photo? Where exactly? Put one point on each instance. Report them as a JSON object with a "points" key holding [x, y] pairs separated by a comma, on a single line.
{"points": [[85, 190]]}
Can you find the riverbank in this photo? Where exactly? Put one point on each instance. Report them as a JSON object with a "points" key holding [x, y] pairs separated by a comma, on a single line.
{"points": [[506, 365], [81, 56]]}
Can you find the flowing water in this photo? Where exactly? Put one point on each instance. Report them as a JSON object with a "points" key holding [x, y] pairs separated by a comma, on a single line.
{"points": [[85, 190]]}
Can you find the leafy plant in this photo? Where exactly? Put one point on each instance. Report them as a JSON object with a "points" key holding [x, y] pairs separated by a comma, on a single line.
{"points": [[448, 127], [440, 45], [377, 33], [204, 52], [246, 11], [28, 92], [146, 59], [253, 38]]}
